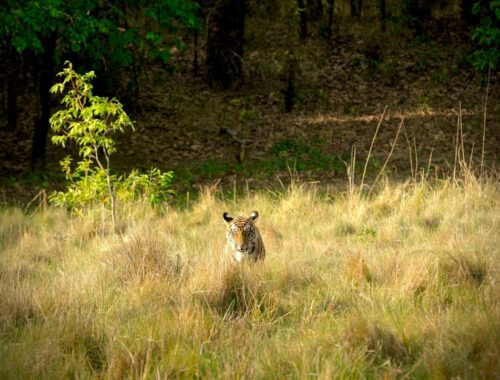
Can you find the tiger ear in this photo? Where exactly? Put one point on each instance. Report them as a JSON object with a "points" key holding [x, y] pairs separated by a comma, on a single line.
{"points": [[227, 217], [254, 215]]}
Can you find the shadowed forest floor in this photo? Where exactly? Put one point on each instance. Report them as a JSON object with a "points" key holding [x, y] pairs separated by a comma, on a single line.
{"points": [[182, 124]]}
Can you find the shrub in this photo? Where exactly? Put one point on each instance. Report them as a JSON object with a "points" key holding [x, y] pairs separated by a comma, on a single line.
{"points": [[487, 35], [90, 122]]}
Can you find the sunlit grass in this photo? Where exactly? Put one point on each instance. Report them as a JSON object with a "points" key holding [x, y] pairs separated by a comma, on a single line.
{"points": [[404, 282]]}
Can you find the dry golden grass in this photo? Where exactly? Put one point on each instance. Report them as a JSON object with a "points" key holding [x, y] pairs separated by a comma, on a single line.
{"points": [[403, 283]]}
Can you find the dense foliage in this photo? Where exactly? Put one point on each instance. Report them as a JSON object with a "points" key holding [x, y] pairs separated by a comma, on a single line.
{"points": [[99, 35], [487, 35], [106, 32]]}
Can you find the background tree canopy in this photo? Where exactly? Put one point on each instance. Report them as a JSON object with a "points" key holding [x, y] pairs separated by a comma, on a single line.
{"points": [[103, 35], [108, 32]]}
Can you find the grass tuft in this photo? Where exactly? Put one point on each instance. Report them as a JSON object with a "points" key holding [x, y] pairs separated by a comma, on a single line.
{"points": [[463, 269], [143, 254], [380, 342]]}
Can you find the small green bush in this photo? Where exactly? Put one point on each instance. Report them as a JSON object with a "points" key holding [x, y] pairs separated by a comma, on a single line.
{"points": [[90, 122]]}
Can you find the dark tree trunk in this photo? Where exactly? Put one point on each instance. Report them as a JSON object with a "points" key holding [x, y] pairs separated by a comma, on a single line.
{"points": [[467, 16], [196, 68], [303, 19], [383, 15], [356, 8], [196, 65], [290, 91], [9, 73], [43, 75], [11, 102], [331, 5], [473, 19], [272, 8], [419, 11], [225, 43], [315, 9]]}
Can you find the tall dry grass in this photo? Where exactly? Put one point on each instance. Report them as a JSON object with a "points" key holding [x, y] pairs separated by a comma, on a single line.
{"points": [[400, 284]]}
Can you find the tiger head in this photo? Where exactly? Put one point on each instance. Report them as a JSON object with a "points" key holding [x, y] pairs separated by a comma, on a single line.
{"points": [[243, 237]]}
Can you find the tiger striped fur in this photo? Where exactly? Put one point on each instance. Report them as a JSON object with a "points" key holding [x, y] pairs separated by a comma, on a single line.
{"points": [[243, 238]]}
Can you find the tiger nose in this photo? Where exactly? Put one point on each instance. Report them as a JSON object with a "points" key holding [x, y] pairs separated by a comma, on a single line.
{"points": [[240, 244]]}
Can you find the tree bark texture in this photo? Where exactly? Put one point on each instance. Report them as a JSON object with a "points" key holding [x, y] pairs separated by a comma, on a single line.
{"points": [[419, 11], [196, 65], [303, 19], [224, 49], [290, 91], [9, 85], [467, 16], [383, 15], [196, 69], [356, 8], [314, 9], [331, 5]]}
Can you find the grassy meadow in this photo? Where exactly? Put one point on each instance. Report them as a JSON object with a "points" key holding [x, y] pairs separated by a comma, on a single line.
{"points": [[399, 284]]}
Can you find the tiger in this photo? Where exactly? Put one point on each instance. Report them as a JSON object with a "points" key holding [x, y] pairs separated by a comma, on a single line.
{"points": [[243, 238]]}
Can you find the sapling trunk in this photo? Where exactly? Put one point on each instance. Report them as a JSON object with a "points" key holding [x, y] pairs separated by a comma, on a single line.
{"points": [[111, 194], [111, 200], [108, 181]]}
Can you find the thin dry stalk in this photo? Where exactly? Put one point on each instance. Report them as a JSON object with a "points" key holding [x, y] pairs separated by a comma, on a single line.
{"points": [[371, 146], [413, 174], [416, 156], [465, 168], [42, 202], [484, 119], [462, 159], [350, 171], [471, 155], [111, 187], [428, 165], [457, 150], [234, 192], [388, 157]]}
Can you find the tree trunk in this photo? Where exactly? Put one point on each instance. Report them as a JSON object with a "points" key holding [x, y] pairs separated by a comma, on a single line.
{"points": [[43, 75], [474, 19], [467, 17], [303, 19], [290, 91], [11, 66], [225, 43], [356, 8], [419, 11], [331, 5], [196, 68], [315, 9], [383, 15], [196, 65], [11, 102]]}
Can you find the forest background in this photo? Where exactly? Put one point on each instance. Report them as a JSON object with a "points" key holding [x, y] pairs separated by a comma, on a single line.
{"points": [[239, 90]]}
